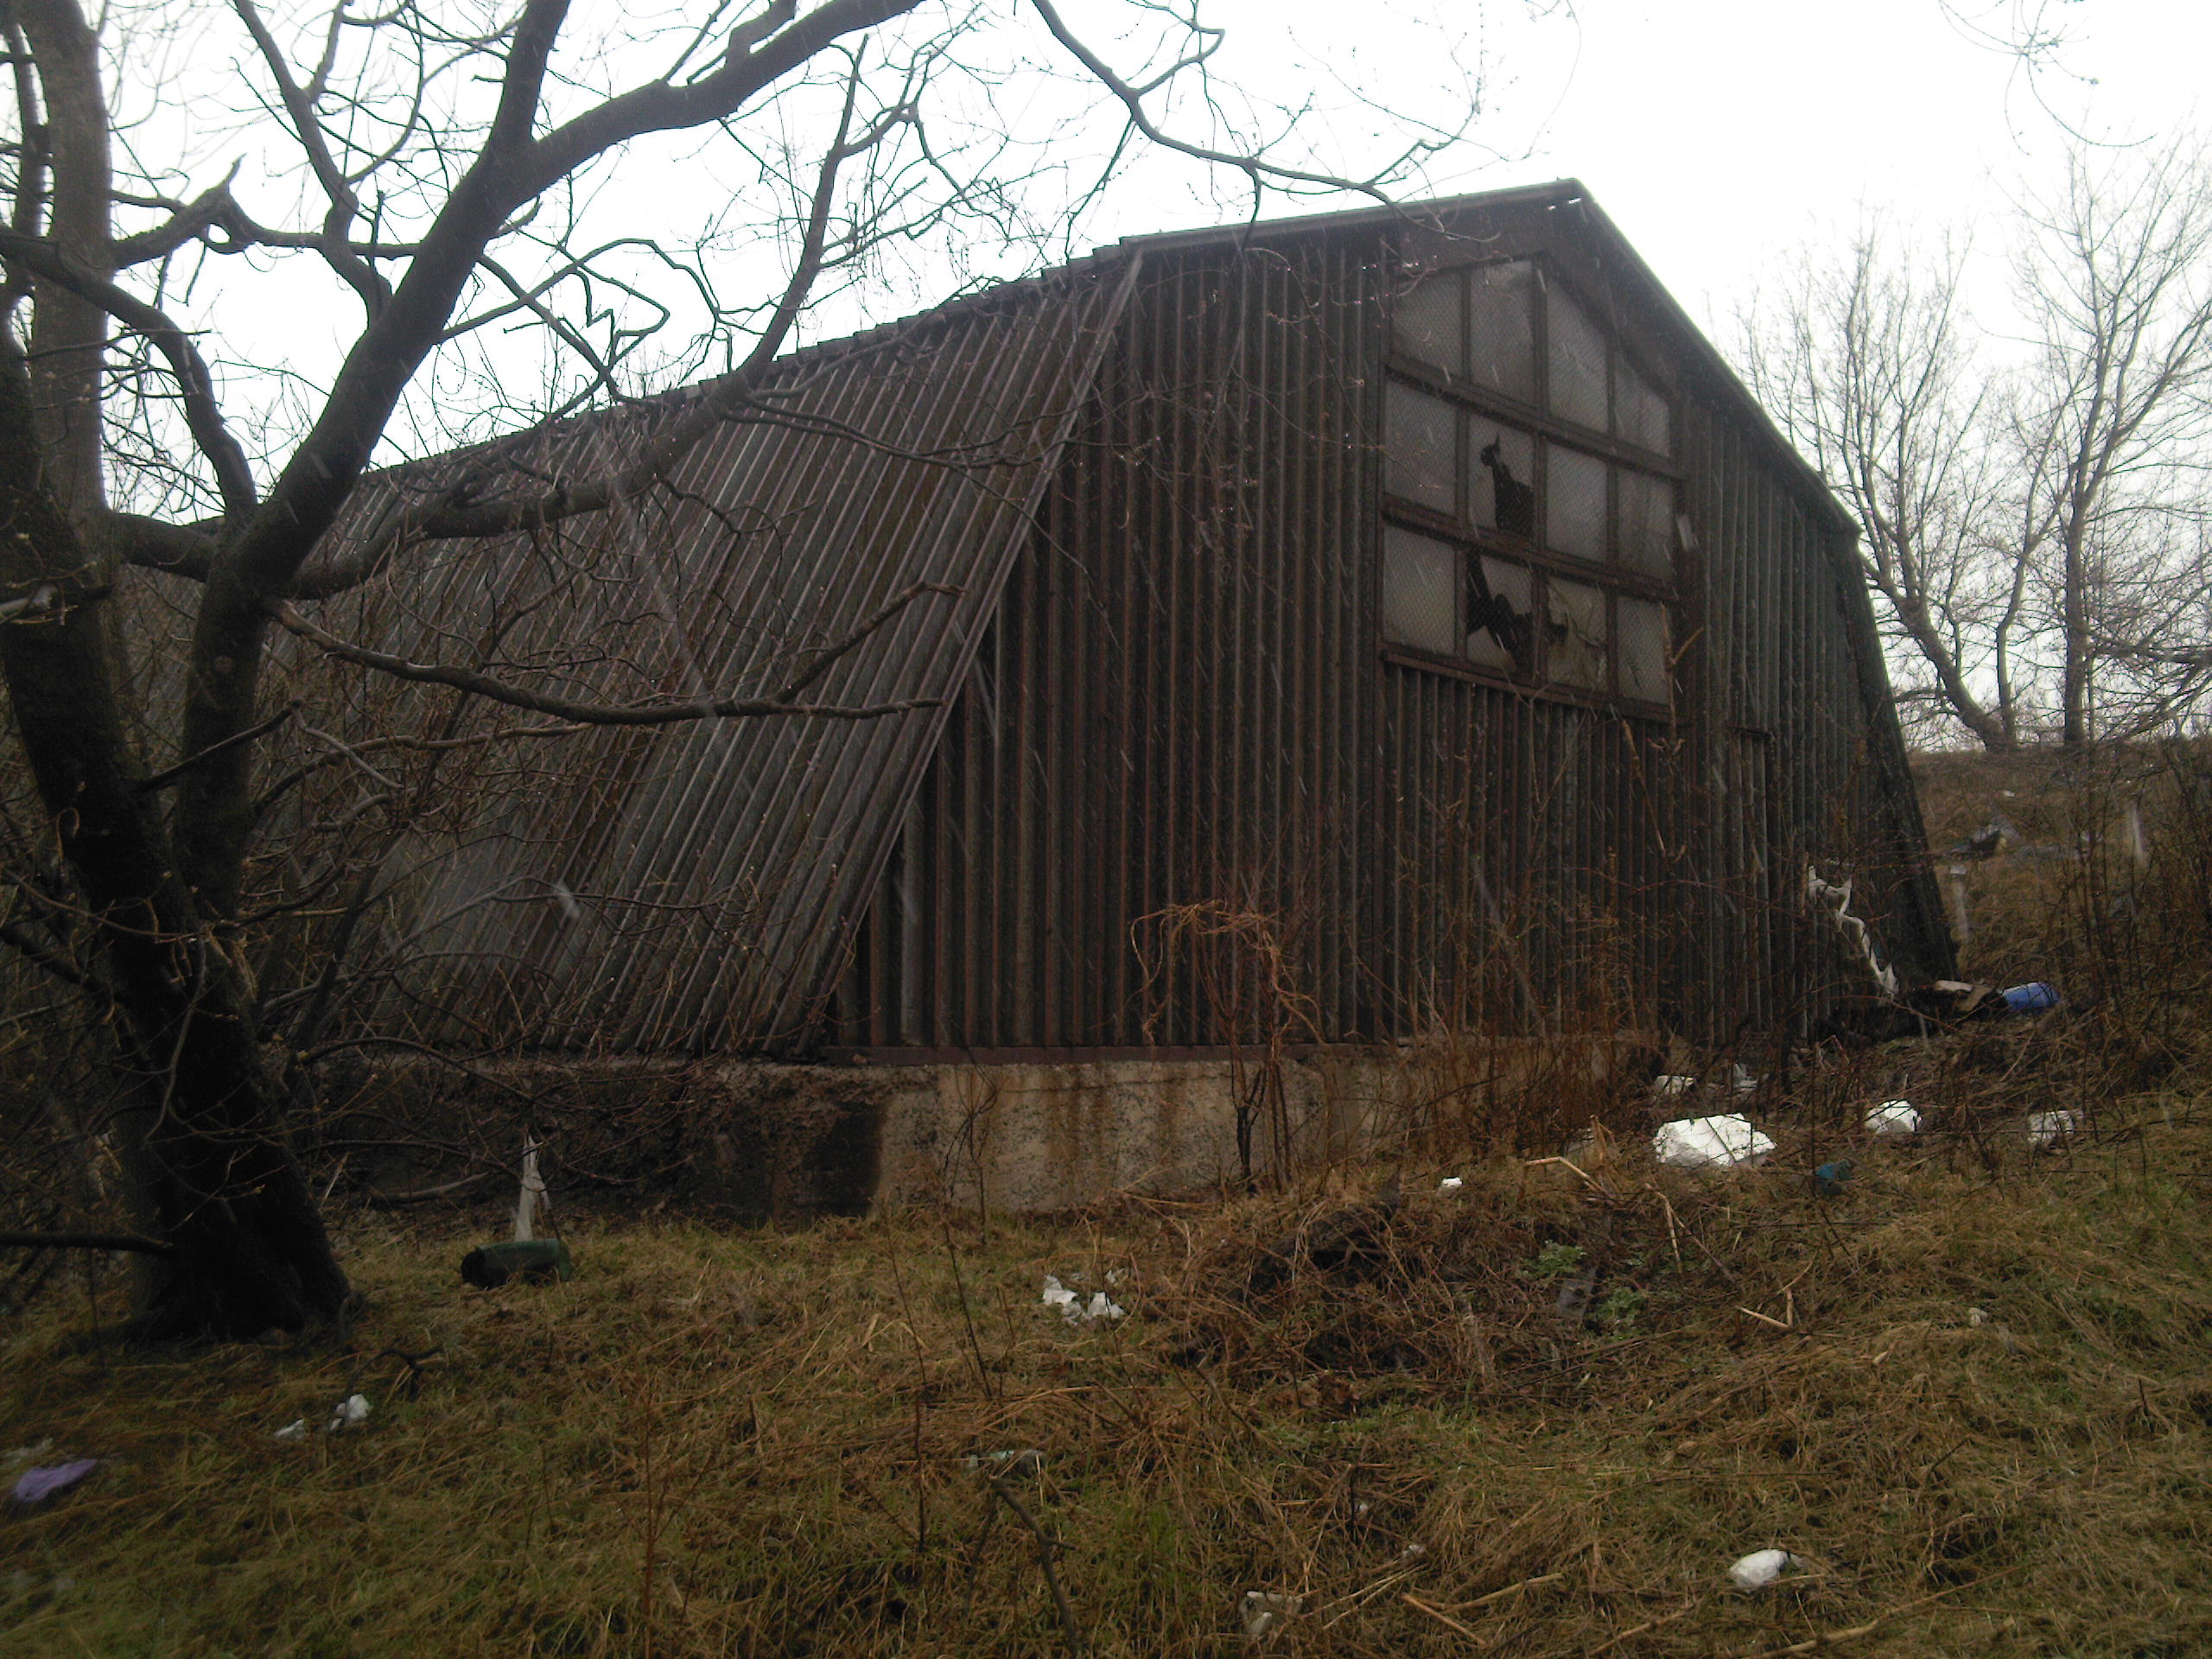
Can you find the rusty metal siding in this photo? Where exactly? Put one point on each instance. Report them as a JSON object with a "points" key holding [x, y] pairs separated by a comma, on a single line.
{"points": [[688, 886], [1183, 697], [1173, 700], [1162, 683]]}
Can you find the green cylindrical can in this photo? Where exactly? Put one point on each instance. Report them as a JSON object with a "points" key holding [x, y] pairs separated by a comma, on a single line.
{"points": [[533, 1261]]}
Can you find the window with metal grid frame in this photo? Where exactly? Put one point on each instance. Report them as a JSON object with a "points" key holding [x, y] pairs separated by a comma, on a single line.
{"points": [[1513, 545]]}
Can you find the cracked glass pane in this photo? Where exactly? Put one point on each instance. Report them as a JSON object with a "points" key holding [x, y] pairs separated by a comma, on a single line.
{"points": [[1419, 447], [1502, 328], [1500, 630], [1575, 634], [1425, 322], [1646, 649], [1647, 542], [1420, 591], [1575, 502], [1578, 362], [1643, 415]]}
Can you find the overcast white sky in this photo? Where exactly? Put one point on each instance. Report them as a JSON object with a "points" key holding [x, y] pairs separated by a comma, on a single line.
{"points": [[1720, 133], [1717, 133]]}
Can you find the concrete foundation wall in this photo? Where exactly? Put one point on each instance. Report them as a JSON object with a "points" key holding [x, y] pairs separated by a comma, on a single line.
{"points": [[1049, 1136], [1043, 1136], [764, 1140]]}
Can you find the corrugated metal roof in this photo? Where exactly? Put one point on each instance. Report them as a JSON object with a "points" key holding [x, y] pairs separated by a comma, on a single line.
{"points": [[682, 887]]}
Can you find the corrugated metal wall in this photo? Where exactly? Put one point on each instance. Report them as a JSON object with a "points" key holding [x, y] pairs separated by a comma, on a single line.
{"points": [[1184, 700], [1176, 792], [1169, 706], [686, 886]]}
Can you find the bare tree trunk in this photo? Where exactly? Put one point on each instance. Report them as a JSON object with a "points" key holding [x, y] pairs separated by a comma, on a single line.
{"points": [[218, 1180], [2074, 622], [68, 336]]}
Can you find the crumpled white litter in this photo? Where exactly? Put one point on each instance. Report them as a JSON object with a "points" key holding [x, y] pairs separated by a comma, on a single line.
{"points": [[350, 1412], [1761, 1568], [1451, 1183], [2045, 1130], [1074, 1309], [1893, 1117], [1266, 1609], [1015, 1461], [1838, 899], [1727, 1143]]}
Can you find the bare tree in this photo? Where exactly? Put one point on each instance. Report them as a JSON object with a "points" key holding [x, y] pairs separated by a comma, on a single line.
{"points": [[1870, 368], [449, 165], [2111, 437], [2032, 520]]}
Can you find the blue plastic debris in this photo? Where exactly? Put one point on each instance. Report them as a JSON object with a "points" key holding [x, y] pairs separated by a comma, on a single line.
{"points": [[2037, 996], [1829, 1179]]}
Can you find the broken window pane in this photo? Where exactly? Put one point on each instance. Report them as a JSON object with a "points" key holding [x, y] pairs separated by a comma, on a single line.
{"points": [[1502, 477], [1575, 502], [1577, 362], [1646, 651], [1502, 328], [1501, 632], [1426, 322], [1575, 634], [1643, 415], [1647, 540], [1420, 592], [1419, 447]]}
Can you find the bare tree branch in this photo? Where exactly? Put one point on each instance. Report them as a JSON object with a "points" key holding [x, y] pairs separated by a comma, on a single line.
{"points": [[1257, 167], [130, 1242], [654, 712], [233, 476], [345, 205], [169, 775], [445, 518]]}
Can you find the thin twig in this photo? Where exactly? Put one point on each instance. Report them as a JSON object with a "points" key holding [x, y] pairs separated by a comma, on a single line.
{"points": [[1442, 1617], [1510, 1590], [169, 775], [1638, 1629], [133, 1242], [377, 1200], [1830, 1638], [1045, 1548]]}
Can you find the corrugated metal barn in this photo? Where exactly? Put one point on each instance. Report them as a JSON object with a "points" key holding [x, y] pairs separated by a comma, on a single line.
{"points": [[1365, 624]]}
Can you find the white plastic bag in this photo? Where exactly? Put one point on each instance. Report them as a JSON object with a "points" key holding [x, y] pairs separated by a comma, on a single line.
{"points": [[1893, 1117], [1727, 1142], [1761, 1568]]}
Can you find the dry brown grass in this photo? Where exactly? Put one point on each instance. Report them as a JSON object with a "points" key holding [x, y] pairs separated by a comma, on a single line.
{"points": [[756, 1443]]}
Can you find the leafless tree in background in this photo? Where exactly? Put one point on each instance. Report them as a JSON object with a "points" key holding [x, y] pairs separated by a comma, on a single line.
{"points": [[2110, 435], [2032, 513], [1869, 367], [455, 174]]}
